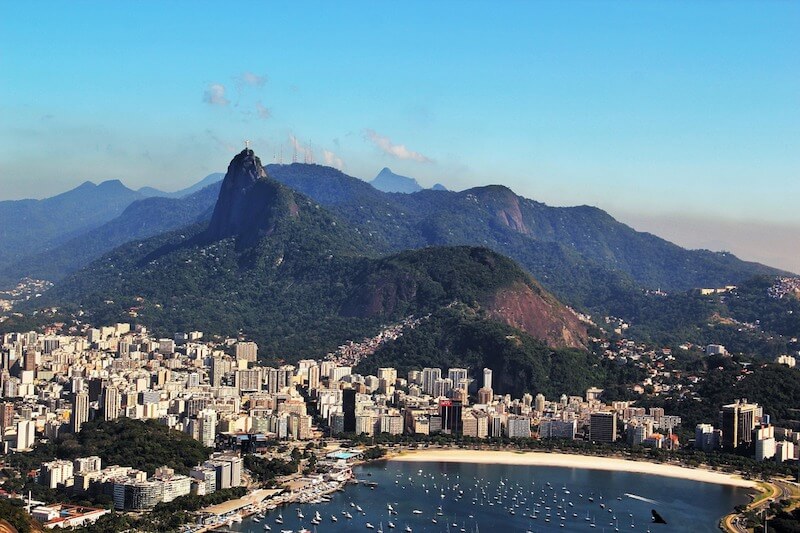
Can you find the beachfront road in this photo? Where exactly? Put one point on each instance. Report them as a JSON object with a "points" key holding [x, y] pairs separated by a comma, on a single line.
{"points": [[780, 490]]}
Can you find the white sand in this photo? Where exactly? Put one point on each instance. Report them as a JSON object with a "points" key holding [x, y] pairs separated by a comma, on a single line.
{"points": [[573, 461]]}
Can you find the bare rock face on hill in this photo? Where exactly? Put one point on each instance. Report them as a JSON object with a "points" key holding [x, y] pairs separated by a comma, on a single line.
{"points": [[538, 314], [249, 202], [506, 293], [504, 205]]}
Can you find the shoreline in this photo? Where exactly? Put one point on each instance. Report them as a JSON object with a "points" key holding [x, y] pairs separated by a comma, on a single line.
{"points": [[564, 460]]}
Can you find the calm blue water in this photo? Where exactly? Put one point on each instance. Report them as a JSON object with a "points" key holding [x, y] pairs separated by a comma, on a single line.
{"points": [[481, 497]]}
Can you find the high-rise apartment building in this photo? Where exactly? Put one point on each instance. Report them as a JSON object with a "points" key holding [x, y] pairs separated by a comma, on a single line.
{"points": [[550, 428], [208, 426], [739, 419], [603, 427], [339, 372], [429, 377], [349, 410], [6, 415], [111, 403], [459, 377], [26, 434], [706, 437], [487, 378], [518, 427], [539, 403], [764, 437], [313, 374], [247, 351], [442, 387], [450, 411], [80, 410], [485, 395], [248, 380]]}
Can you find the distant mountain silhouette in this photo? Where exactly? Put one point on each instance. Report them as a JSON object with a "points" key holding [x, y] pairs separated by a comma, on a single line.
{"points": [[31, 226], [388, 181], [52, 237], [149, 192], [203, 183], [141, 219], [211, 179]]}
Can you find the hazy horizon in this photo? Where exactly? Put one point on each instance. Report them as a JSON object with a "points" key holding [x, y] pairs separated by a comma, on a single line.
{"points": [[758, 241], [655, 112]]}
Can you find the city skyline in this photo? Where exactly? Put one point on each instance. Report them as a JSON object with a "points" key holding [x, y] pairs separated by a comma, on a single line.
{"points": [[649, 111]]}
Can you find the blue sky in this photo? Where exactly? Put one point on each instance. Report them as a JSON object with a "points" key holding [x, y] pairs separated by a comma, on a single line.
{"points": [[651, 110]]}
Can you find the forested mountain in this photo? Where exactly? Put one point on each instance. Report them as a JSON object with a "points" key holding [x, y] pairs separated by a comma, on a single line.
{"points": [[580, 253], [49, 238], [141, 219], [30, 226], [278, 266], [459, 337]]}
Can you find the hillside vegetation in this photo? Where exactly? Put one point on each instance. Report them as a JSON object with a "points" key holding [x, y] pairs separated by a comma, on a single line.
{"points": [[145, 445], [462, 337], [300, 281], [141, 219]]}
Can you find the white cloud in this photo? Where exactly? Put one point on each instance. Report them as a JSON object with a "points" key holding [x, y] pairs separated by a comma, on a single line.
{"points": [[251, 79], [332, 160], [263, 112], [215, 95], [398, 151]]}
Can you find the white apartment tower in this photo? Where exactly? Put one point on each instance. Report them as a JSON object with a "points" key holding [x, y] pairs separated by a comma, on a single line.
{"points": [[80, 410], [111, 403], [208, 426]]}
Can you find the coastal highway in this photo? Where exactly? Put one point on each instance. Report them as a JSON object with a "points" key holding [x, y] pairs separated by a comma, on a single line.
{"points": [[779, 490], [733, 523]]}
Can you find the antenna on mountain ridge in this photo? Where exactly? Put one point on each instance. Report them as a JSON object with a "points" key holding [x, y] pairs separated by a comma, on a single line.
{"points": [[309, 154]]}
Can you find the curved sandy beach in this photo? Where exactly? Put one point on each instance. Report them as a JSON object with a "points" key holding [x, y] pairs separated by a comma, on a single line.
{"points": [[592, 462]]}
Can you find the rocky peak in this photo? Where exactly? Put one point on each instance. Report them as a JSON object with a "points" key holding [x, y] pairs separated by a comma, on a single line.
{"points": [[388, 181], [250, 203], [503, 204]]}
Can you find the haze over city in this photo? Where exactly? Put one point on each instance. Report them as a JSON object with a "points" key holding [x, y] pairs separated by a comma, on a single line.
{"points": [[429, 266], [677, 119]]}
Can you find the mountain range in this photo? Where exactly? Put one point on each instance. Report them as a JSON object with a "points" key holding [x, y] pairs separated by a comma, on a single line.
{"points": [[211, 179], [303, 258], [580, 253], [141, 219], [47, 239], [549, 242], [30, 226], [275, 264]]}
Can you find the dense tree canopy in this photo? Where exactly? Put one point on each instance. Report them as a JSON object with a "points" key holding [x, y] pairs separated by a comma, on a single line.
{"points": [[145, 445]]}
